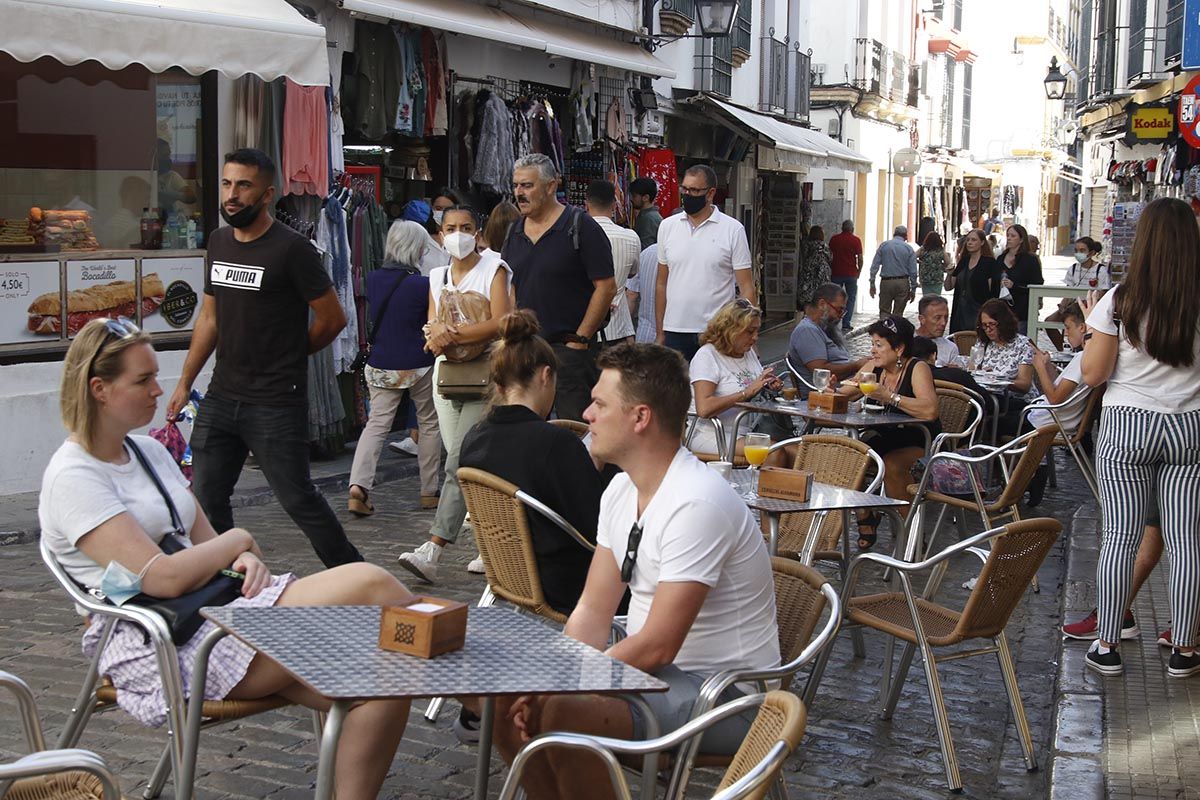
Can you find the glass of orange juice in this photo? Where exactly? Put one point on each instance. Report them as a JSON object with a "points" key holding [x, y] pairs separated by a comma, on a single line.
{"points": [[867, 382], [756, 447]]}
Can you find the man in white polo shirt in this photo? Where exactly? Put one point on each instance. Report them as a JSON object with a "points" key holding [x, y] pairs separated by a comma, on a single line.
{"points": [[702, 254], [702, 598]]}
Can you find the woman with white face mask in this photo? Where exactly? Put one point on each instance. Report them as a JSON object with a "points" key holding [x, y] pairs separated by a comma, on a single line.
{"points": [[1086, 271], [469, 271]]}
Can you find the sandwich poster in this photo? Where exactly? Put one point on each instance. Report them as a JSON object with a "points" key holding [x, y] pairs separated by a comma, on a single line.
{"points": [[30, 301], [103, 288], [182, 283]]}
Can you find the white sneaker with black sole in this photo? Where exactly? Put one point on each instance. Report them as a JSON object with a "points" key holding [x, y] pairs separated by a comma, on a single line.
{"points": [[1107, 663], [1181, 666]]}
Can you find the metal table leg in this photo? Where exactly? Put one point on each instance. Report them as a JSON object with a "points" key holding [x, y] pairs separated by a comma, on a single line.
{"points": [[810, 541], [326, 761], [483, 763]]}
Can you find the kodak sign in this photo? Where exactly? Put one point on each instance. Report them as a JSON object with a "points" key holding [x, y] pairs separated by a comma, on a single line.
{"points": [[1149, 123]]}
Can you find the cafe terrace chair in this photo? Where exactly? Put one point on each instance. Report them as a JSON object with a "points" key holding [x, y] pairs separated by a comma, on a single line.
{"points": [[1073, 441], [752, 771], [964, 340], [96, 693], [576, 427], [44, 774], [1017, 551], [960, 416], [801, 384]]}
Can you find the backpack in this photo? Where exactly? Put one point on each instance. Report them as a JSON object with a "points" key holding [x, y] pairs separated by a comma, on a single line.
{"points": [[572, 229]]}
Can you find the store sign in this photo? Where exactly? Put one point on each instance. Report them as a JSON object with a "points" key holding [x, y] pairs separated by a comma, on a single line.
{"points": [[1189, 112], [1148, 123], [99, 289], [182, 282], [30, 302]]}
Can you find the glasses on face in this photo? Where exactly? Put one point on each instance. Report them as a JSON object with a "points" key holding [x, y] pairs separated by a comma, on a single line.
{"points": [[695, 191], [989, 326], [122, 328], [839, 310], [631, 551]]}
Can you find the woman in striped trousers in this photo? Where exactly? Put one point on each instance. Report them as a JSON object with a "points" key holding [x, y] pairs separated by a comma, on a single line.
{"points": [[1145, 345]]}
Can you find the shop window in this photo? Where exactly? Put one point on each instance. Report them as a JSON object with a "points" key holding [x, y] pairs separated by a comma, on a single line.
{"points": [[84, 150]]}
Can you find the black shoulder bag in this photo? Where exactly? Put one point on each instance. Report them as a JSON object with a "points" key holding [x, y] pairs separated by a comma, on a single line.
{"points": [[182, 614], [360, 360]]}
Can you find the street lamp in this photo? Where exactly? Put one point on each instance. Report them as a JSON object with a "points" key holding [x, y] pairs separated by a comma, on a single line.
{"points": [[716, 17], [1056, 81]]}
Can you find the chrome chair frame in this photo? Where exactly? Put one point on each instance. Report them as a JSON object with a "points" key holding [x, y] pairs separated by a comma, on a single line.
{"points": [[801, 383], [1080, 395]]}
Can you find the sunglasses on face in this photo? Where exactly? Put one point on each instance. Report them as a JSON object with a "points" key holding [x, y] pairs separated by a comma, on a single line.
{"points": [[122, 328], [631, 551]]}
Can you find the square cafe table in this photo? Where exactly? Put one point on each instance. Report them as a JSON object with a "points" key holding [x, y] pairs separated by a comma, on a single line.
{"points": [[852, 421], [334, 650]]}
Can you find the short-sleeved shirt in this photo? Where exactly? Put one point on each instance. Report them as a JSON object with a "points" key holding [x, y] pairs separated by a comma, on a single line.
{"points": [[626, 249], [731, 375], [646, 225], [947, 353], [1097, 276], [551, 277], [697, 529], [262, 290], [1141, 381], [644, 285], [701, 261], [81, 492], [847, 252], [809, 343], [1006, 359], [1072, 414]]}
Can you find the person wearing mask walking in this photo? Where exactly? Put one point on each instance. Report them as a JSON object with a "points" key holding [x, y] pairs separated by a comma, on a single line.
{"points": [[846, 250], [898, 282], [626, 248], [642, 192], [702, 255], [562, 271]]}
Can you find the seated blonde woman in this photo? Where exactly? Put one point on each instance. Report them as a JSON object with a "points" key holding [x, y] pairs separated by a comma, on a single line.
{"points": [[103, 517], [726, 371]]}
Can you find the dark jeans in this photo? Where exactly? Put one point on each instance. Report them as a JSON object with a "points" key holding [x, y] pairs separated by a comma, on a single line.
{"points": [[686, 343], [225, 431], [851, 287], [577, 374]]}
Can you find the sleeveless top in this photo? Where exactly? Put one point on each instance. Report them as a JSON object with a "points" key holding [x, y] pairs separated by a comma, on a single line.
{"points": [[905, 389]]}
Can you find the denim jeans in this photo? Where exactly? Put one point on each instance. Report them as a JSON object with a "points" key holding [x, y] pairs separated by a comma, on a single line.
{"points": [[686, 343], [851, 287], [225, 431]]}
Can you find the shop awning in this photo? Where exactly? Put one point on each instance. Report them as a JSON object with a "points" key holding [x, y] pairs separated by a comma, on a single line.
{"points": [[967, 167], [494, 24], [268, 38], [811, 147]]}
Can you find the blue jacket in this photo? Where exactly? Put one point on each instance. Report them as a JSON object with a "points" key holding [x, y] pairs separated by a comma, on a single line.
{"points": [[400, 343]]}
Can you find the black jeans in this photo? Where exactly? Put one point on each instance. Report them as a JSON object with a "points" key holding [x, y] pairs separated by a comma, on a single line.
{"points": [[225, 431], [577, 374]]}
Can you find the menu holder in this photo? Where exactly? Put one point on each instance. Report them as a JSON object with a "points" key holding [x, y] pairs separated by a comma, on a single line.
{"points": [[426, 627], [826, 401], [785, 484]]}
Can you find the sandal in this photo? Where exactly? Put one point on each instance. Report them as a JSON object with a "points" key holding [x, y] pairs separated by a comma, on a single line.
{"points": [[866, 541], [359, 506]]}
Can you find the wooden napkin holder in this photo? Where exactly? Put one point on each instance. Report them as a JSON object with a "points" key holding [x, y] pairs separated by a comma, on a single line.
{"points": [[785, 484], [426, 627], [826, 401]]}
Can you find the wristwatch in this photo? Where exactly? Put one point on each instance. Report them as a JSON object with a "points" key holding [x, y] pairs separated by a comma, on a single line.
{"points": [[575, 338]]}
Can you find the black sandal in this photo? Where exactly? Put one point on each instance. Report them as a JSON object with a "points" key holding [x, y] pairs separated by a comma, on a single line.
{"points": [[866, 541]]}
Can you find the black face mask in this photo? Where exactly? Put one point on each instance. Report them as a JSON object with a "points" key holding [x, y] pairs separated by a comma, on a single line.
{"points": [[693, 204], [245, 216]]}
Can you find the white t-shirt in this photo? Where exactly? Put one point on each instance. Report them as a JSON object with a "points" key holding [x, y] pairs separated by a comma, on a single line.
{"points": [[81, 492], [697, 529], [479, 279], [1072, 414], [1078, 275], [701, 261], [731, 375], [1141, 381]]}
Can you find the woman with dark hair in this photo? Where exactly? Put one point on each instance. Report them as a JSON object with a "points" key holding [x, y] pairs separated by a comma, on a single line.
{"points": [[1086, 270], [933, 264], [816, 263], [1146, 345], [1003, 349], [975, 279], [905, 385], [497, 226], [444, 199], [1021, 269]]}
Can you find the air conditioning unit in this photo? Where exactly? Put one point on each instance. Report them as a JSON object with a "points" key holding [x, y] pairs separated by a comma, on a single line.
{"points": [[818, 71], [835, 128], [651, 123]]}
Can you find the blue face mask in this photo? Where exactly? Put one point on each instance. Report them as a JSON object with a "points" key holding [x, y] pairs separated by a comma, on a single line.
{"points": [[120, 585]]}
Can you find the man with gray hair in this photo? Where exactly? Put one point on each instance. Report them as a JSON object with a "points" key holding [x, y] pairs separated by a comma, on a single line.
{"points": [[898, 284], [562, 267], [816, 343]]}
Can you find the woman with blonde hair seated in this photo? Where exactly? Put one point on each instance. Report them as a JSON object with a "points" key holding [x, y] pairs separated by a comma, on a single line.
{"points": [[104, 517]]}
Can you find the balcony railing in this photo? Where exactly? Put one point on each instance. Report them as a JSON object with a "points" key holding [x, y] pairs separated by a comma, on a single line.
{"points": [[741, 28], [772, 75], [714, 65], [802, 86], [882, 71]]}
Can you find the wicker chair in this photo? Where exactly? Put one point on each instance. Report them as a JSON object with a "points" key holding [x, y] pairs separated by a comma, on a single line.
{"points": [[580, 429], [1073, 441], [774, 735], [1018, 550], [46, 774], [959, 414], [964, 340], [179, 755]]}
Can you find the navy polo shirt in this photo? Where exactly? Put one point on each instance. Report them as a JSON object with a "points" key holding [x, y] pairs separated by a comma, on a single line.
{"points": [[554, 280]]}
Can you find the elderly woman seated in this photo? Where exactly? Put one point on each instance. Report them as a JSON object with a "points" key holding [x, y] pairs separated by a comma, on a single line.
{"points": [[104, 517]]}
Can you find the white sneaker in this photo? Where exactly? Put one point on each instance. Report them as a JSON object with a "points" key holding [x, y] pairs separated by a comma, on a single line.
{"points": [[423, 562], [405, 448], [476, 566]]}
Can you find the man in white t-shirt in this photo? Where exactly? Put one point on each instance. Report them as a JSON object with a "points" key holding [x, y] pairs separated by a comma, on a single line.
{"points": [[702, 254], [679, 537], [626, 247]]}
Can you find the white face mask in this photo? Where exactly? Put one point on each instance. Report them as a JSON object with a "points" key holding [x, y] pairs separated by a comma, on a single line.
{"points": [[459, 244], [1081, 257], [437, 217]]}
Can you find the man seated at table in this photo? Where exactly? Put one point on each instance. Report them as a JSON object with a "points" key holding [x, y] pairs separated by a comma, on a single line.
{"points": [[683, 541], [816, 343], [933, 314]]}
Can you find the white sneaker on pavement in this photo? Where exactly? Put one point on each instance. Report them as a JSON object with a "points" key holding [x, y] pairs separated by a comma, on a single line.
{"points": [[423, 562], [476, 566], [405, 448]]}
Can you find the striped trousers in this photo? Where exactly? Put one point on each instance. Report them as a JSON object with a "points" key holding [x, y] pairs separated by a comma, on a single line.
{"points": [[1139, 455]]}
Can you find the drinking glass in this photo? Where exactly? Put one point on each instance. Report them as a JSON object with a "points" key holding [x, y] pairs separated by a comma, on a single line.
{"points": [[820, 379], [973, 361], [867, 382], [755, 447]]}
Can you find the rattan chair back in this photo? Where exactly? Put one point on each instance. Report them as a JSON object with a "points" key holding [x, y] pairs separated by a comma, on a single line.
{"points": [[1014, 560], [965, 340], [954, 408], [781, 718], [1090, 410], [505, 542], [835, 460], [580, 429], [1022, 472], [798, 606]]}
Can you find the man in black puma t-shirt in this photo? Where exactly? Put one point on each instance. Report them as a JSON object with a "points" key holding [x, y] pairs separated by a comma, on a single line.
{"points": [[262, 280]]}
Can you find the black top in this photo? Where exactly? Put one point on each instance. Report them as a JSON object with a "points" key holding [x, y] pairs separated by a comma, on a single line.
{"points": [[905, 389], [983, 282], [961, 377], [400, 342], [1026, 271], [551, 277], [552, 465], [262, 290]]}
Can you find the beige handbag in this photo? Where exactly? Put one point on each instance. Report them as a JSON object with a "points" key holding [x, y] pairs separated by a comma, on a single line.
{"points": [[466, 372]]}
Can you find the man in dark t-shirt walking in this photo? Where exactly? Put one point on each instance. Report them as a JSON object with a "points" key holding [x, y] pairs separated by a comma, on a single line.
{"points": [[262, 280]]}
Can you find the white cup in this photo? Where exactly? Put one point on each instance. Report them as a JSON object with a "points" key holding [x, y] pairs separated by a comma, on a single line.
{"points": [[724, 468]]}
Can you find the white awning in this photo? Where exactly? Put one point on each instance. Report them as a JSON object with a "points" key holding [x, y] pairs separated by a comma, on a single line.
{"points": [[268, 38], [494, 24], [814, 148]]}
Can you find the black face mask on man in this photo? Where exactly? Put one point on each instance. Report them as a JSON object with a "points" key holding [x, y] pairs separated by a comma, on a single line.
{"points": [[246, 215], [693, 204]]}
